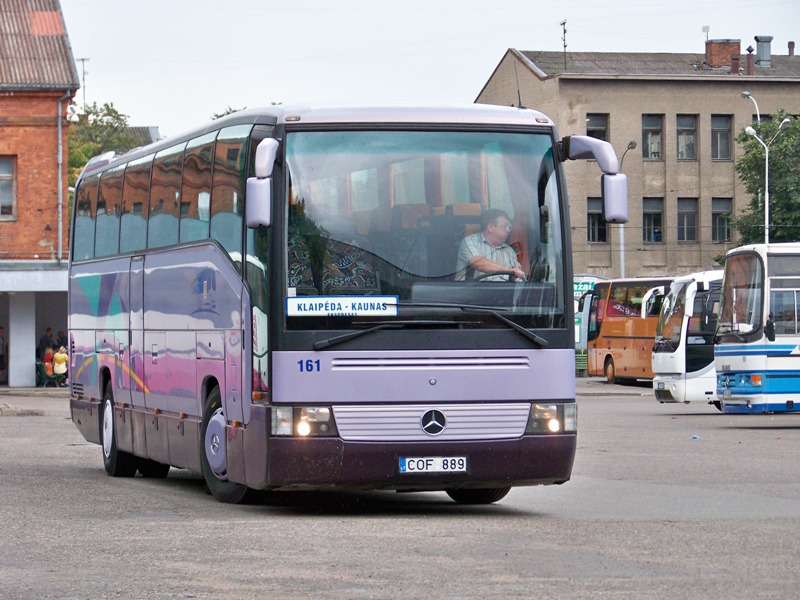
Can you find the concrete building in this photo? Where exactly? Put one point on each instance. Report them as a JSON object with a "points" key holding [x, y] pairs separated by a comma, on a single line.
{"points": [[38, 79], [682, 112]]}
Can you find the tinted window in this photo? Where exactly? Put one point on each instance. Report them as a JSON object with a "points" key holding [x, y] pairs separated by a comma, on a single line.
{"points": [[85, 206], [135, 204], [165, 194], [108, 211], [196, 193], [227, 193]]}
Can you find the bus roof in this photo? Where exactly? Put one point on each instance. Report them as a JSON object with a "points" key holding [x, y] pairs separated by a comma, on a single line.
{"points": [[782, 248], [455, 114]]}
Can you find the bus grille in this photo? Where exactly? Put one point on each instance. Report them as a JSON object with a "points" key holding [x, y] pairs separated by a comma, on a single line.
{"points": [[423, 362], [403, 423]]}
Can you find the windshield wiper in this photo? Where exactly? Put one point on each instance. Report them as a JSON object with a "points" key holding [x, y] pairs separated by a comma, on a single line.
{"points": [[323, 344], [487, 310]]}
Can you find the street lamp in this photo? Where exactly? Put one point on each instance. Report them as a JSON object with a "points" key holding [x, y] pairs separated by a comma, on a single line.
{"points": [[752, 132], [758, 113], [631, 146]]}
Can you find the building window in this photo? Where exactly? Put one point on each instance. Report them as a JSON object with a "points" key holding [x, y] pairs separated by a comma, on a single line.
{"points": [[651, 136], [687, 219], [721, 211], [687, 134], [7, 188], [597, 126], [595, 223], [720, 137], [652, 219]]}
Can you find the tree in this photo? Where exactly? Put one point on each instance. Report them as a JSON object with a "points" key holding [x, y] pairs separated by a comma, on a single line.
{"points": [[784, 182], [228, 111], [97, 130]]}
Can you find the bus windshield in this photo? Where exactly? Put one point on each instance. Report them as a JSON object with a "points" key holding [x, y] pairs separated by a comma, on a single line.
{"points": [[384, 224], [670, 319], [742, 296]]}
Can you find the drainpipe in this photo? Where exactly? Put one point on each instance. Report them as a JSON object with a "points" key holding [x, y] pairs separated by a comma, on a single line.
{"points": [[66, 96]]}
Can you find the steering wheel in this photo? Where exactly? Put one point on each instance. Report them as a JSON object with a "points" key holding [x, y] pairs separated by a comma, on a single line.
{"points": [[509, 275]]}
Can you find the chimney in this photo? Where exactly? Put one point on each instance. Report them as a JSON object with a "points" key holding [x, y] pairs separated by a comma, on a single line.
{"points": [[791, 48], [750, 60], [735, 61], [719, 52], [764, 52]]}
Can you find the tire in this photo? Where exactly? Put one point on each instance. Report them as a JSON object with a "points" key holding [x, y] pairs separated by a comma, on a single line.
{"points": [[116, 462], [478, 496], [610, 371], [152, 469], [213, 454]]}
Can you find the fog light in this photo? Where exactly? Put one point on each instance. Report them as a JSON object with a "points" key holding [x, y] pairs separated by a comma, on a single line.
{"points": [[303, 428], [554, 425]]}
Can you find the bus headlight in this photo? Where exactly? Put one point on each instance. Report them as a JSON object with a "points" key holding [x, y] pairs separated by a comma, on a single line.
{"points": [[552, 418], [303, 421]]}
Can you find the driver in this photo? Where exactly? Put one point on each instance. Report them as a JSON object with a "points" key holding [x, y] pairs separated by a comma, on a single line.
{"points": [[488, 251]]}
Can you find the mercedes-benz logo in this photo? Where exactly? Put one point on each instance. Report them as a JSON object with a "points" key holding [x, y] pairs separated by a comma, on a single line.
{"points": [[433, 422]]}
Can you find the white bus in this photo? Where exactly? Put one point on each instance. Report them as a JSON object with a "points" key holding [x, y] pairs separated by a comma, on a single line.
{"points": [[758, 339], [683, 354]]}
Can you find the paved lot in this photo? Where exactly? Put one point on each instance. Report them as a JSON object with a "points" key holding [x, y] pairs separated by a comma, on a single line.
{"points": [[666, 501]]}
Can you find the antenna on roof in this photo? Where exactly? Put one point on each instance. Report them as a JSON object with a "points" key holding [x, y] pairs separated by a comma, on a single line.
{"points": [[564, 39], [519, 96], [706, 29]]}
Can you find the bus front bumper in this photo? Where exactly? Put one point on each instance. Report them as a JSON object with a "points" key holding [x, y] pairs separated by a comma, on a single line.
{"points": [[332, 462]]}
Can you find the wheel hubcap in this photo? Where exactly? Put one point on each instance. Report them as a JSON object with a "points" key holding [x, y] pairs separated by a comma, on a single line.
{"points": [[108, 428], [215, 445]]}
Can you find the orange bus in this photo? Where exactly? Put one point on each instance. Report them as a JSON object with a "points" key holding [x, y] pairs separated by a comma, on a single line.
{"points": [[620, 335]]}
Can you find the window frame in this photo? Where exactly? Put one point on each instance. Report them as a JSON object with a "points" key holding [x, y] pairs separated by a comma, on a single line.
{"points": [[650, 230], [721, 219], [652, 134], [687, 232], [11, 216], [682, 132], [720, 134], [595, 130], [596, 229]]}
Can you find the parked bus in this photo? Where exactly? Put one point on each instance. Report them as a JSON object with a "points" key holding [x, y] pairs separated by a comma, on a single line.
{"points": [[683, 354], [620, 341], [272, 301], [756, 355]]}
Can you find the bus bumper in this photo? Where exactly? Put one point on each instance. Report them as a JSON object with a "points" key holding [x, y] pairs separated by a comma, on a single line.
{"points": [[331, 462]]}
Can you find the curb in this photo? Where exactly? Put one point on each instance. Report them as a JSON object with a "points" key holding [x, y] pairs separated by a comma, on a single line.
{"points": [[7, 411]]}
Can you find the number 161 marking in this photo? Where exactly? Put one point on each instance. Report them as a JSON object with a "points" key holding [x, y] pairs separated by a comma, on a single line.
{"points": [[308, 366]]}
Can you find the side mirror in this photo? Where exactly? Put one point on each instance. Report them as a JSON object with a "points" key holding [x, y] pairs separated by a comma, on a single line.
{"points": [[615, 197], [769, 330], [258, 204]]}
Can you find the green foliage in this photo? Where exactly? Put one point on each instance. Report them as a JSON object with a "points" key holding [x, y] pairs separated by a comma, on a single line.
{"points": [[97, 130], [784, 182], [228, 111]]}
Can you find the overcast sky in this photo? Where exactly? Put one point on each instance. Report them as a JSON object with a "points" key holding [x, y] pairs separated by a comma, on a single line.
{"points": [[175, 63]]}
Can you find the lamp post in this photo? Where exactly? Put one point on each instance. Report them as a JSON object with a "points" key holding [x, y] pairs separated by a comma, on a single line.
{"points": [[752, 132], [758, 113], [631, 146]]}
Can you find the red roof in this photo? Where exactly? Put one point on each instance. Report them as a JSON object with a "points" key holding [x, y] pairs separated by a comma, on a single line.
{"points": [[35, 53]]}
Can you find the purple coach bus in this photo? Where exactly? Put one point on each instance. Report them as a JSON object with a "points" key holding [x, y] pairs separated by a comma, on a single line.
{"points": [[282, 300]]}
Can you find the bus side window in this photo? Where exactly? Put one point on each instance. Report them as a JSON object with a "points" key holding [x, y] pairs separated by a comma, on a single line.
{"points": [[227, 196], [108, 210], [85, 207], [135, 204], [165, 192], [196, 190]]}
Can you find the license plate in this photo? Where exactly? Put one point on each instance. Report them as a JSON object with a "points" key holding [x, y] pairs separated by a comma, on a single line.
{"points": [[433, 464]]}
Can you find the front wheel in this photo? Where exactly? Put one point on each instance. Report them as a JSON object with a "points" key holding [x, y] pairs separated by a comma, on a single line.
{"points": [[116, 462], [213, 454], [610, 371], [478, 496]]}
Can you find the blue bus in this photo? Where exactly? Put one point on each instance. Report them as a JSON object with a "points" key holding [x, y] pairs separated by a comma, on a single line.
{"points": [[757, 351], [272, 301]]}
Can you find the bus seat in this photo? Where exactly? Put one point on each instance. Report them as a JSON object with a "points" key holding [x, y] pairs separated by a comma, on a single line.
{"points": [[350, 270]]}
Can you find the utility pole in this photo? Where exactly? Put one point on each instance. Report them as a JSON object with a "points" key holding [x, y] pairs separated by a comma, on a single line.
{"points": [[564, 40], [83, 80]]}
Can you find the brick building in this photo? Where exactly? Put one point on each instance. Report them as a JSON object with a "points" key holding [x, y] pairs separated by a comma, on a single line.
{"points": [[683, 111], [38, 79]]}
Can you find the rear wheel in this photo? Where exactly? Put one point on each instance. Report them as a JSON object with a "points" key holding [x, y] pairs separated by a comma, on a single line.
{"points": [[213, 454], [116, 463], [478, 496], [610, 371]]}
